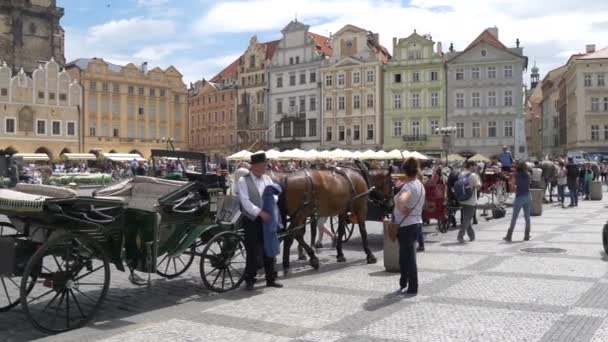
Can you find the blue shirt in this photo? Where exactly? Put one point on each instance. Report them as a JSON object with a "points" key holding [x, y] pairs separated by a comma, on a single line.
{"points": [[522, 181], [505, 159]]}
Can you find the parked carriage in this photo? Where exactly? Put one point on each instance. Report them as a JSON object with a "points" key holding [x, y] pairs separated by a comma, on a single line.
{"points": [[494, 186], [55, 253]]}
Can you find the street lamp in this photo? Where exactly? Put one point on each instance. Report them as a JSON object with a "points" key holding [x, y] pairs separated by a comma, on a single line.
{"points": [[167, 142], [446, 133]]}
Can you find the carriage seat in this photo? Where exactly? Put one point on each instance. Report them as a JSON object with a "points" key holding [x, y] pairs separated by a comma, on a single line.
{"points": [[228, 210], [45, 190], [140, 192]]}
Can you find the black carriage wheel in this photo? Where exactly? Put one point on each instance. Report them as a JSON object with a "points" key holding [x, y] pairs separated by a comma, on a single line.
{"points": [[348, 229], [223, 262], [605, 238], [10, 285], [171, 267], [72, 280]]}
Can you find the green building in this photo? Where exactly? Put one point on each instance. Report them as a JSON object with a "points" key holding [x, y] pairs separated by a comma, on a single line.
{"points": [[414, 96]]}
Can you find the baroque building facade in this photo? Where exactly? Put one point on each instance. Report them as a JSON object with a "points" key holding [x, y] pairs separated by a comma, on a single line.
{"points": [[414, 95], [40, 114], [295, 91], [130, 109], [550, 113], [584, 102], [252, 110], [485, 97], [352, 84], [212, 110], [30, 33]]}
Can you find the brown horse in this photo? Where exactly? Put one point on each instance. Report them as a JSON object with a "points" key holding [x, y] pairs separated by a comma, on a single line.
{"points": [[325, 193]]}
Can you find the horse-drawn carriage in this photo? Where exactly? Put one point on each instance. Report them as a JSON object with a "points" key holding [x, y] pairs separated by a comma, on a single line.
{"points": [[494, 185], [55, 253]]}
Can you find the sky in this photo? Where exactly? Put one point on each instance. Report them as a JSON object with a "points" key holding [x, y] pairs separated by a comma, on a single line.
{"points": [[201, 37]]}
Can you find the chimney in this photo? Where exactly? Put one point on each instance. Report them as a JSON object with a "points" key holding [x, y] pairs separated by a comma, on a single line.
{"points": [[451, 47], [144, 68], [493, 31], [376, 37], [517, 42], [590, 48], [394, 46], [439, 47]]}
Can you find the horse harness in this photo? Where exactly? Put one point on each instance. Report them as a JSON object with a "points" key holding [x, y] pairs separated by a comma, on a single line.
{"points": [[309, 197]]}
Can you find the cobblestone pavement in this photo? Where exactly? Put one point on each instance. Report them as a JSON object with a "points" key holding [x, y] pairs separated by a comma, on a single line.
{"points": [[485, 290]]}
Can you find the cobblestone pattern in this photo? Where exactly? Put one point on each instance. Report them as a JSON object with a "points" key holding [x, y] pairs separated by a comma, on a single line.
{"points": [[485, 290]]}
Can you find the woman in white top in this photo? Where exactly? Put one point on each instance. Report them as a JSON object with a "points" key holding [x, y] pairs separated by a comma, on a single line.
{"points": [[408, 213]]}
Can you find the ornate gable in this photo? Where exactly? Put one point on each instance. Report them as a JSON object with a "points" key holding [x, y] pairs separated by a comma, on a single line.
{"points": [[293, 26]]}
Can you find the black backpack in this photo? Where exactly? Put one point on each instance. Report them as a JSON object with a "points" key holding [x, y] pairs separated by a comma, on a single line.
{"points": [[462, 188]]}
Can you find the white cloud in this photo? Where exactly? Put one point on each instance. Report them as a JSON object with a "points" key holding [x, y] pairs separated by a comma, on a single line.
{"points": [[152, 2], [125, 32], [566, 24], [159, 52]]}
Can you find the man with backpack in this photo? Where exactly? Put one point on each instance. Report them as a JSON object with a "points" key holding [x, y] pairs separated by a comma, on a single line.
{"points": [[465, 189]]}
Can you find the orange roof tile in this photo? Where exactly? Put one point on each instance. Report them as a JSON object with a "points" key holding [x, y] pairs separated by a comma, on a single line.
{"points": [[488, 38], [322, 43], [381, 50], [271, 47], [228, 72]]}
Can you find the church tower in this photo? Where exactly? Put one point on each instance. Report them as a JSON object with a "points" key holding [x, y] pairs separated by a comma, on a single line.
{"points": [[534, 76], [30, 33]]}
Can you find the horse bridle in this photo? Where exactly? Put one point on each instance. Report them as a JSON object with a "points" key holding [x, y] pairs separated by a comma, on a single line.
{"points": [[381, 199], [376, 196]]}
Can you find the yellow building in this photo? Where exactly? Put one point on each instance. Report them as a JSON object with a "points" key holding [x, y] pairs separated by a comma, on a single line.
{"points": [[128, 109], [40, 114]]}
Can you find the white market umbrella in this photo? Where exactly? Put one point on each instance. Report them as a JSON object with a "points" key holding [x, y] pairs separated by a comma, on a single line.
{"points": [[369, 154], [325, 154], [455, 158], [241, 155], [336, 154], [479, 158], [381, 155], [407, 154], [31, 156], [273, 154], [311, 155], [419, 155], [394, 154], [357, 154], [120, 157], [296, 154]]}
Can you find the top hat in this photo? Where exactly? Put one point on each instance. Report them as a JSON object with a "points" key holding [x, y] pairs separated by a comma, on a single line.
{"points": [[258, 158]]}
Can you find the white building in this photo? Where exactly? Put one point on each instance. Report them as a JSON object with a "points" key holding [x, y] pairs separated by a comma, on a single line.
{"points": [[486, 97], [352, 80], [294, 89], [584, 102]]}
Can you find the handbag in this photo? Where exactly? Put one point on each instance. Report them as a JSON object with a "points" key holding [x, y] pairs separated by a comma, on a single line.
{"points": [[393, 227]]}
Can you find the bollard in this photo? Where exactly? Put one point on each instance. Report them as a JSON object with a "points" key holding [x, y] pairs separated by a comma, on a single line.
{"points": [[537, 202], [596, 191], [391, 250]]}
